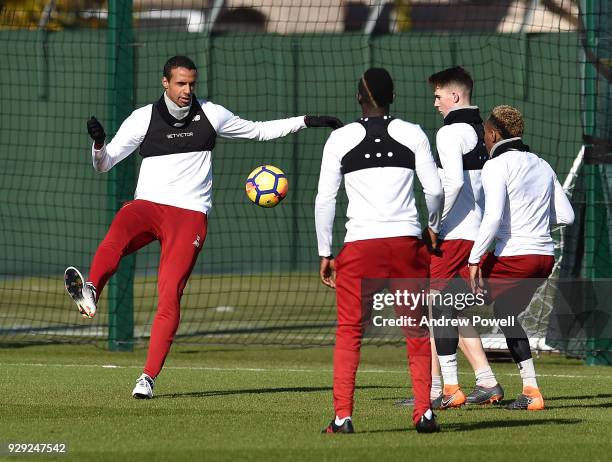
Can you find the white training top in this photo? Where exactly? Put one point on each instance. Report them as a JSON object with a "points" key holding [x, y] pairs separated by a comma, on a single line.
{"points": [[381, 200], [523, 199], [463, 197], [183, 180]]}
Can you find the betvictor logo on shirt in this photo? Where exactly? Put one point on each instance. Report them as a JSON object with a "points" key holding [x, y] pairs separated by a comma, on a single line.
{"points": [[171, 136]]}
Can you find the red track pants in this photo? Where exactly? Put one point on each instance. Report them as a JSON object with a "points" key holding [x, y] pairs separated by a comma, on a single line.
{"points": [[181, 234], [397, 257]]}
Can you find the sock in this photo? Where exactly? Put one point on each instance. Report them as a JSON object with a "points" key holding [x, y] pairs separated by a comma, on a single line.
{"points": [[340, 421], [428, 414], [436, 387], [528, 374], [448, 366], [485, 377]]}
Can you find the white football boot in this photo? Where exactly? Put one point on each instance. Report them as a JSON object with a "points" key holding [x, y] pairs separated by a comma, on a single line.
{"points": [[83, 293], [144, 387]]}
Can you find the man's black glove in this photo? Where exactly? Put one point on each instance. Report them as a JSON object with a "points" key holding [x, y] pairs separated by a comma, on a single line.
{"points": [[96, 131], [323, 121]]}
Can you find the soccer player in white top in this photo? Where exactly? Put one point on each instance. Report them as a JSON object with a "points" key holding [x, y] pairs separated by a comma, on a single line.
{"points": [[523, 199], [175, 136], [377, 156], [462, 155]]}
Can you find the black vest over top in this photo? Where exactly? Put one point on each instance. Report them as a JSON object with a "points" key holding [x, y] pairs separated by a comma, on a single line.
{"points": [[377, 149], [476, 158], [164, 138]]}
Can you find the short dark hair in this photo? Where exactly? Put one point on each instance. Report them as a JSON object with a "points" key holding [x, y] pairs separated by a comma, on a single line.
{"points": [[178, 61], [453, 75], [376, 86]]}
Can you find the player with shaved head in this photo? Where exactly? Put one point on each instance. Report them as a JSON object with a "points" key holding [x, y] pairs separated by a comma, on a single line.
{"points": [[378, 157]]}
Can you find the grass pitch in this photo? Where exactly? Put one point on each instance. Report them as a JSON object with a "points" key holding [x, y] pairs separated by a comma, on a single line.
{"points": [[220, 403]]}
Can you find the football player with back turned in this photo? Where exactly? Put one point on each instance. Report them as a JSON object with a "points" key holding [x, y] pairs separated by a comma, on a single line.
{"points": [[378, 157], [462, 155]]}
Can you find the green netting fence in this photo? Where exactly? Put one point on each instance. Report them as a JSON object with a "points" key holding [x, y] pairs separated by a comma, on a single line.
{"points": [[256, 280]]}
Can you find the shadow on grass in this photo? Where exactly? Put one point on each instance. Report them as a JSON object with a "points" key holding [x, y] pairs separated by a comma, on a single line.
{"points": [[547, 405], [506, 423], [395, 399], [210, 351], [232, 348], [581, 406], [409, 402], [506, 402], [600, 396], [594, 405], [256, 391], [485, 425], [101, 345]]}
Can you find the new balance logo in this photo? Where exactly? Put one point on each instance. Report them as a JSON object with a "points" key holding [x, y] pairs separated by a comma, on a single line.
{"points": [[196, 243], [178, 135], [196, 118]]}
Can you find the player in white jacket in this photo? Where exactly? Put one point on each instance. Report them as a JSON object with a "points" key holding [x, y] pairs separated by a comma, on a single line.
{"points": [[175, 136], [462, 156], [523, 199], [379, 157]]}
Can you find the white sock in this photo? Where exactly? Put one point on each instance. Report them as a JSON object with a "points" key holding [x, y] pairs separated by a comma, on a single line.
{"points": [[428, 414], [528, 374], [340, 421], [436, 387], [448, 366], [485, 377]]}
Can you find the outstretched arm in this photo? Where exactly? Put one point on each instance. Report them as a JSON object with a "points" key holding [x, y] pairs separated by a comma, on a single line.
{"points": [[228, 125]]}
